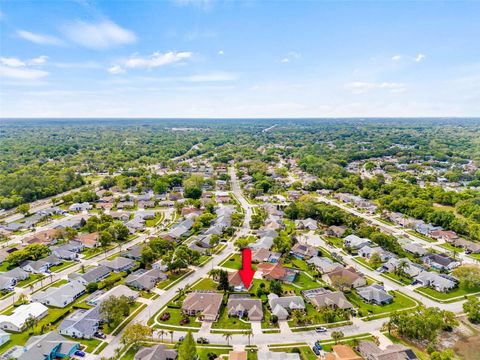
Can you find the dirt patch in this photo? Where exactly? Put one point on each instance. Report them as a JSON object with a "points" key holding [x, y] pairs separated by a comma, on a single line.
{"points": [[468, 348]]}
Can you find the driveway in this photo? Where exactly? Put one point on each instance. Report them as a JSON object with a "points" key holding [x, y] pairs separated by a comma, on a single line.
{"points": [[284, 328], [256, 327]]}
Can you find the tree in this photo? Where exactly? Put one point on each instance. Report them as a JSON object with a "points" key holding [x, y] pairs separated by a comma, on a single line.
{"points": [[223, 283], [105, 238], [134, 333], [30, 322], [337, 336], [187, 349], [193, 187], [115, 309], [375, 260], [468, 275], [472, 309], [227, 337], [92, 287], [276, 287], [23, 209], [148, 256], [248, 334]]}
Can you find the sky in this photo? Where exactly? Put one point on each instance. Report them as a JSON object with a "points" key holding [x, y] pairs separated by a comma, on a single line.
{"points": [[227, 58]]}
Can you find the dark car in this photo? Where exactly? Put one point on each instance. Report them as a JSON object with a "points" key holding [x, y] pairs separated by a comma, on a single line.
{"points": [[79, 353], [316, 351], [317, 345], [100, 335], [202, 340]]}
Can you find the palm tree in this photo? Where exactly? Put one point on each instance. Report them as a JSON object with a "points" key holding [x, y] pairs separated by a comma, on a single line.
{"points": [[161, 333], [227, 337], [400, 270], [337, 335], [248, 334], [171, 335]]}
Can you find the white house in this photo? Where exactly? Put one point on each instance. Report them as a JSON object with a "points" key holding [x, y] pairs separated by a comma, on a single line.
{"points": [[16, 321], [4, 337], [60, 296]]}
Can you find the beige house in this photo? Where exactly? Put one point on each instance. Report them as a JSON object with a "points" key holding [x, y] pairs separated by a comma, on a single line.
{"points": [[205, 304]]}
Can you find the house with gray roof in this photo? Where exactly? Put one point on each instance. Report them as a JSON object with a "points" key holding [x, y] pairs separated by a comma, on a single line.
{"points": [[414, 249], [355, 243], [410, 269], [82, 323], [323, 264], [244, 306], [334, 300], [440, 261], [375, 294], [60, 296], [134, 252], [91, 276], [282, 306], [49, 346], [367, 252], [156, 352], [435, 281], [35, 267], [118, 264], [145, 279], [371, 351]]}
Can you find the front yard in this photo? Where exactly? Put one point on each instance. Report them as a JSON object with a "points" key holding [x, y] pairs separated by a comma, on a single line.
{"points": [[457, 292], [400, 302]]}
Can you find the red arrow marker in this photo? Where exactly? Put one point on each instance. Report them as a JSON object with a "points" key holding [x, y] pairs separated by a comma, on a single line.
{"points": [[246, 273]]}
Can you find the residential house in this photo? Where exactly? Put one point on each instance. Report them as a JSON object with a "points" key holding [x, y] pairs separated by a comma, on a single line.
{"points": [[244, 306], [118, 264], [409, 268], [145, 280], [235, 280], [337, 231], [345, 279], [82, 323], [435, 281], [272, 271], [120, 290], [49, 346], [355, 243], [205, 304], [323, 264], [60, 296], [4, 337], [440, 261], [270, 355], [16, 321], [425, 229], [77, 207], [342, 352], [134, 252], [370, 351], [303, 251], [414, 249], [156, 352], [237, 355], [94, 275], [375, 294], [35, 267], [282, 306], [367, 252], [89, 241], [307, 224], [334, 300]]}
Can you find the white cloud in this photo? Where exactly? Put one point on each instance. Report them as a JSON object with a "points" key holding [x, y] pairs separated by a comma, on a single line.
{"points": [[155, 60], [14, 68], [220, 52], [116, 69], [212, 77], [12, 62], [201, 4], [39, 60], [420, 57], [359, 87], [396, 57], [292, 55], [22, 73], [39, 38], [98, 36]]}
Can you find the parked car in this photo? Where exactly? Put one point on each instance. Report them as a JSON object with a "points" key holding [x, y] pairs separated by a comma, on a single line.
{"points": [[79, 353], [321, 329], [181, 338], [316, 351], [100, 335], [202, 340], [318, 345]]}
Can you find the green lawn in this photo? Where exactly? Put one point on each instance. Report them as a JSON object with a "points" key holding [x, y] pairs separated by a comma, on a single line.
{"points": [[159, 216], [63, 266], [203, 352], [205, 284], [88, 344], [5, 266], [172, 277], [400, 279], [226, 322], [448, 295], [423, 237], [30, 280], [175, 317], [305, 282], [297, 264], [400, 302], [233, 262], [335, 241]]}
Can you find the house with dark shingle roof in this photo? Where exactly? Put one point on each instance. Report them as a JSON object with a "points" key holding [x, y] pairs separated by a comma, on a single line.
{"points": [[375, 294], [156, 352], [49, 346], [244, 306], [205, 304]]}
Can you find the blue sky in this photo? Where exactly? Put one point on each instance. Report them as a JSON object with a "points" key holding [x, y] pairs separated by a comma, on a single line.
{"points": [[193, 58]]}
